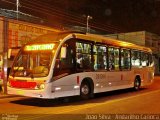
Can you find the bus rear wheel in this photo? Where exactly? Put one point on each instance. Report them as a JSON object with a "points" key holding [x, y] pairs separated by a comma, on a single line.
{"points": [[137, 84], [85, 90]]}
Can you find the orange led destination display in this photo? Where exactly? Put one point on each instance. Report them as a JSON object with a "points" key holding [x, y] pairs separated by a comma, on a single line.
{"points": [[39, 47]]}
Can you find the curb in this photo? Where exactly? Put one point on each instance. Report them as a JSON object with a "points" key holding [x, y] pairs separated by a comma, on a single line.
{"points": [[2, 95]]}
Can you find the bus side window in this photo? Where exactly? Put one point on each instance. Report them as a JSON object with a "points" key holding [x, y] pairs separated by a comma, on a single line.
{"points": [[100, 57], [150, 59], [79, 60], [116, 60], [135, 60], [113, 57], [144, 59], [83, 56], [125, 59]]}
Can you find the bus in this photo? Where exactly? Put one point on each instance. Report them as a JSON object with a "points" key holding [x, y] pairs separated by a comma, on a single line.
{"points": [[64, 64]]}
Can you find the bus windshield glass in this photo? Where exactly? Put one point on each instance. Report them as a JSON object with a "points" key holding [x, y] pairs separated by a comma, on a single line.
{"points": [[34, 61]]}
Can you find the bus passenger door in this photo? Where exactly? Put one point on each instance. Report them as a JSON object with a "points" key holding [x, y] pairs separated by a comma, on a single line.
{"points": [[65, 60]]}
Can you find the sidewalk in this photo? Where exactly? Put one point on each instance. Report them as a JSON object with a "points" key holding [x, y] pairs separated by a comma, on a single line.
{"points": [[2, 95]]}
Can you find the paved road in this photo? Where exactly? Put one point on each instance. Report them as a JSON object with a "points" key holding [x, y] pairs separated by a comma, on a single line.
{"points": [[103, 106]]}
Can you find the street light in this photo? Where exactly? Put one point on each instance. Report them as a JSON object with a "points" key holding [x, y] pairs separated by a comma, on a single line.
{"points": [[17, 3], [88, 18]]}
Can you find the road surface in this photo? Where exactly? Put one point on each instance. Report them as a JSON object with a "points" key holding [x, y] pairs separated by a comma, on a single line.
{"points": [[121, 104]]}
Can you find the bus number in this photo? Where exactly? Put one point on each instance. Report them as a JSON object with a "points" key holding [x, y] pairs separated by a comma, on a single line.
{"points": [[100, 76]]}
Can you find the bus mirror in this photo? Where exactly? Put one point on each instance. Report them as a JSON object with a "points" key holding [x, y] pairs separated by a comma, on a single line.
{"points": [[63, 52]]}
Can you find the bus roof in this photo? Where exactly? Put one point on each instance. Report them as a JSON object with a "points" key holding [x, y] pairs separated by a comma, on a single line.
{"points": [[52, 37], [56, 36], [111, 41]]}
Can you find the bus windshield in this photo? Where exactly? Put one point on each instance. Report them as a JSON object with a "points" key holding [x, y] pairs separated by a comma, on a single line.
{"points": [[34, 61]]}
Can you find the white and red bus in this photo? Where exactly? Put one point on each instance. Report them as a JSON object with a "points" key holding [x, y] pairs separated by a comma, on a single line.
{"points": [[67, 64]]}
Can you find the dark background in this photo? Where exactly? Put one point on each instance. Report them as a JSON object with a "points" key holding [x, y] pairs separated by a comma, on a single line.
{"points": [[110, 16]]}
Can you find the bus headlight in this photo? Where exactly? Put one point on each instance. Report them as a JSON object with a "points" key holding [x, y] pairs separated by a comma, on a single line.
{"points": [[41, 86]]}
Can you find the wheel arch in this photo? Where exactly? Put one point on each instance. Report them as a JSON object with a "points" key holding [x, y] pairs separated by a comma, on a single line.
{"points": [[138, 77], [137, 82]]}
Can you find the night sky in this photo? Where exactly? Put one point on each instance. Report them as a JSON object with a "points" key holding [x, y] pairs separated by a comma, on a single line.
{"points": [[114, 15]]}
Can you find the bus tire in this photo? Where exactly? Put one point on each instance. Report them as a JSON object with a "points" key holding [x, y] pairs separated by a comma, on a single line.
{"points": [[137, 83], [86, 90]]}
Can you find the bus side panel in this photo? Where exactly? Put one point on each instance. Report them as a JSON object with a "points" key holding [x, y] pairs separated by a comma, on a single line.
{"points": [[114, 81], [103, 81], [66, 86]]}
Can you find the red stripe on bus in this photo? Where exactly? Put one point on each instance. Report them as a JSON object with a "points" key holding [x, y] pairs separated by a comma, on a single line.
{"points": [[121, 76], [77, 79]]}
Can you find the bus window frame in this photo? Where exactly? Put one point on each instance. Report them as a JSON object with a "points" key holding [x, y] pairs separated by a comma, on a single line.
{"points": [[106, 46], [114, 47], [139, 58], [148, 54], [91, 54], [130, 66]]}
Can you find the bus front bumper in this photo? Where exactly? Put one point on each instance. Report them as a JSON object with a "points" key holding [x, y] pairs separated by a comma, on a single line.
{"points": [[26, 92]]}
